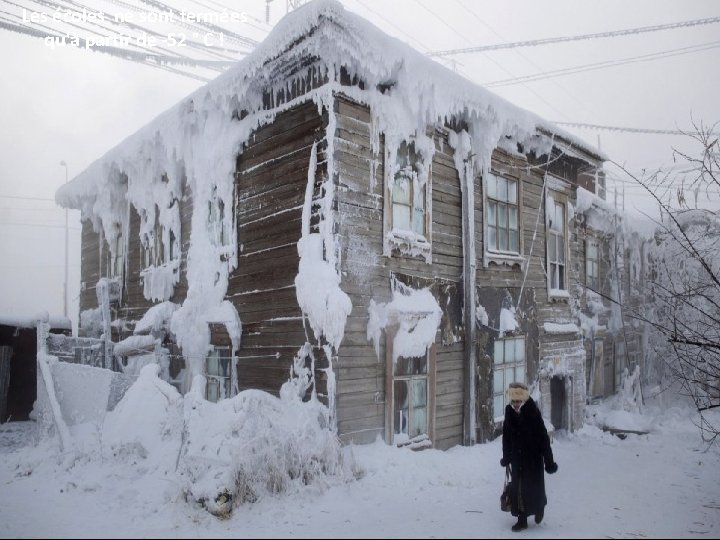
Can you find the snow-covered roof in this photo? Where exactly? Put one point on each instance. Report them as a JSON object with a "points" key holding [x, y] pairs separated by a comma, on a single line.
{"points": [[322, 29]]}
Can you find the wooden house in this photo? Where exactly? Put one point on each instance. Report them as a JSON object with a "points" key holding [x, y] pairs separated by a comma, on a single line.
{"points": [[340, 212]]}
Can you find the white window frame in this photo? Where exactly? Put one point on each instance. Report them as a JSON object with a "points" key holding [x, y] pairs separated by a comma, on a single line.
{"points": [[402, 434], [406, 240], [505, 372], [218, 233], [429, 377], [496, 199], [592, 264], [559, 256], [221, 384]]}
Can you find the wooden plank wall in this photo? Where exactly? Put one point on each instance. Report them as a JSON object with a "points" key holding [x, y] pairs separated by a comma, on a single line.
{"points": [[90, 265], [366, 276], [270, 188]]}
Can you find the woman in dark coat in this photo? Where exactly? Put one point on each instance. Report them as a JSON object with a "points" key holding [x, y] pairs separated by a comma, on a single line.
{"points": [[526, 448]]}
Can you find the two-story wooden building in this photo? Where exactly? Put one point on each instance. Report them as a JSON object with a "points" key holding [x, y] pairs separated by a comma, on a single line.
{"points": [[340, 211]]}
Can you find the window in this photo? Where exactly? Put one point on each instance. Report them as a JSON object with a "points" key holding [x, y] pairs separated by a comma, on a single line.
{"points": [[410, 398], [217, 230], [556, 247], [161, 242], [408, 193], [503, 231], [592, 268], [218, 370], [407, 224], [173, 251], [508, 366], [118, 258], [153, 241]]}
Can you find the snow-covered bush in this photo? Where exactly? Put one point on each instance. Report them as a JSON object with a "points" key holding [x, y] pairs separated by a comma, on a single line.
{"points": [[254, 444]]}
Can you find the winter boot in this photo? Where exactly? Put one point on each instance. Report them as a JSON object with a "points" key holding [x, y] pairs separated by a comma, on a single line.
{"points": [[521, 523], [539, 516]]}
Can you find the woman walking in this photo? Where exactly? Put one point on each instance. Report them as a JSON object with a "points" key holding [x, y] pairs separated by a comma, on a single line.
{"points": [[526, 449]]}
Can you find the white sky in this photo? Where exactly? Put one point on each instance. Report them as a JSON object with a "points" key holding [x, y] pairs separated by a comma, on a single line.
{"points": [[74, 105], [660, 485]]}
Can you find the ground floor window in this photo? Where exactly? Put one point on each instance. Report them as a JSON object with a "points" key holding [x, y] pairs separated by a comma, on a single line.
{"points": [[410, 398], [508, 366], [218, 370], [619, 364]]}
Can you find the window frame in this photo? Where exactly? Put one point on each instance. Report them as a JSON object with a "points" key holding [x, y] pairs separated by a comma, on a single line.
{"points": [[410, 379], [493, 197], [406, 242], [218, 233], [223, 383], [391, 377], [499, 392], [593, 263], [117, 259], [553, 291]]}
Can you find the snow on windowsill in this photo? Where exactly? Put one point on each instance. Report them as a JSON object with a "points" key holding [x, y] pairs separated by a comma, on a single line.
{"points": [[558, 295], [510, 259], [408, 243], [418, 442]]}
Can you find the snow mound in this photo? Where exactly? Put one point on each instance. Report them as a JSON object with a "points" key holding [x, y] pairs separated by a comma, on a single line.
{"points": [[253, 445], [147, 422]]}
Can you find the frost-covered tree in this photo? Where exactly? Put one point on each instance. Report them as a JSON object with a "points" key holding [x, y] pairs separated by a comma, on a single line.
{"points": [[682, 300]]}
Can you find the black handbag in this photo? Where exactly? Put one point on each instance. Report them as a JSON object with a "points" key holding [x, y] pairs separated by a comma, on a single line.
{"points": [[505, 500]]}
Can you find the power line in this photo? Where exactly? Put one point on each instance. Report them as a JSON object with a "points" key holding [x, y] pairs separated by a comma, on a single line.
{"points": [[26, 198], [601, 65], [440, 19], [629, 129], [44, 225], [523, 56], [547, 41]]}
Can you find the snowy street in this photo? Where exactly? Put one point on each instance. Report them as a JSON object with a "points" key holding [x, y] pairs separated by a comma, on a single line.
{"points": [[664, 484]]}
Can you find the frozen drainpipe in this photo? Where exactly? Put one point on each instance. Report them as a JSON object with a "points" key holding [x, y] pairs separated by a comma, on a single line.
{"points": [[469, 272]]}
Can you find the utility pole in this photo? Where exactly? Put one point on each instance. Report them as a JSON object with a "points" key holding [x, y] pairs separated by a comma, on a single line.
{"points": [[65, 284]]}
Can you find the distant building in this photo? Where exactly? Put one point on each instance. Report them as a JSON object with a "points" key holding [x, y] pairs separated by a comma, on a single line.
{"points": [[18, 364]]}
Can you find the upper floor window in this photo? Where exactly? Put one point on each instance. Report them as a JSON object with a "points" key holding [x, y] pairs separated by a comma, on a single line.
{"points": [[118, 257], [407, 203], [161, 243], [217, 228], [502, 214], [556, 243], [153, 247], [408, 193], [592, 266]]}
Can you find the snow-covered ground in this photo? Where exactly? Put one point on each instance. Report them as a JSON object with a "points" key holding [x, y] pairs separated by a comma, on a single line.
{"points": [[663, 484]]}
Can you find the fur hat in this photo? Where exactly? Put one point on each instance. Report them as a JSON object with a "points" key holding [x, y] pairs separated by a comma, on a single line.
{"points": [[518, 391]]}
